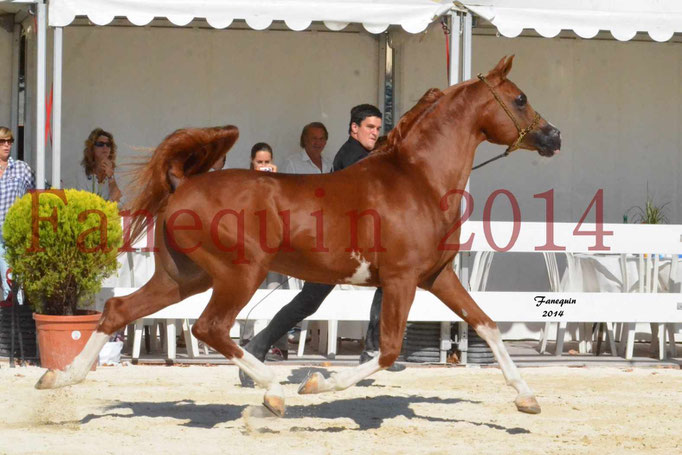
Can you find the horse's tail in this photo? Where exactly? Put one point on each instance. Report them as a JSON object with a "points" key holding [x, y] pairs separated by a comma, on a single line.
{"points": [[183, 153]]}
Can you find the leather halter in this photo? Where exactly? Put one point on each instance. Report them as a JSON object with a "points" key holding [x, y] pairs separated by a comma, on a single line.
{"points": [[522, 131]]}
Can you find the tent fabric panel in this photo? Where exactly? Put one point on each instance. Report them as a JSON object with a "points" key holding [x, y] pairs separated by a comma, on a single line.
{"points": [[375, 15], [624, 18]]}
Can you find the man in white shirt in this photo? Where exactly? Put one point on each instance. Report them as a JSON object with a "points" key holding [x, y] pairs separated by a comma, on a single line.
{"points": [[310, 160]]}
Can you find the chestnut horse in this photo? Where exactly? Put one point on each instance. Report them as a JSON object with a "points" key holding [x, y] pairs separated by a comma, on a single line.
{"points": [[377, 223]]}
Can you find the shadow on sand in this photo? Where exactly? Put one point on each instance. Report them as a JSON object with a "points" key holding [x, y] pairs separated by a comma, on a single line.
{"points": [[367, 413]]}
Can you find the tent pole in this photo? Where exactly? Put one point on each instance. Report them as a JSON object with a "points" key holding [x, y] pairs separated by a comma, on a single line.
{"points": [[16, 50], [57, 109], [41, 72], [455, 30], [387, 82], [466, 46], [466, 56]]}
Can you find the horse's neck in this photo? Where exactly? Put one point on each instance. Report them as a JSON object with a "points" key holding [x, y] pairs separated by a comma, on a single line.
{"points": [[441, 149]]}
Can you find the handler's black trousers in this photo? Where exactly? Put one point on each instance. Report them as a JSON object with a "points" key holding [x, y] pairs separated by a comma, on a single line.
{"points": [[303, 305]]}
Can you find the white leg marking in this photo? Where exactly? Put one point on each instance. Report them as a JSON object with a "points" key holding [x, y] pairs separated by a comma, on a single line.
{"points": [[259, 372], [344, 379], [79, 368], [509, 370]]}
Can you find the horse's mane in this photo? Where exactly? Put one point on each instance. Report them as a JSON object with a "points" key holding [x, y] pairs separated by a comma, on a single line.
{"points": [[411, 117]]}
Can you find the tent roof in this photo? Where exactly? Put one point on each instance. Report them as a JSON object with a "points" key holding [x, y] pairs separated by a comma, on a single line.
{"points": [[376, 15], [623, 18]]}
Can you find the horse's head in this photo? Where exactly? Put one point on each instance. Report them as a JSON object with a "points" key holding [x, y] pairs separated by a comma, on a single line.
{"points": [[510, 120]]}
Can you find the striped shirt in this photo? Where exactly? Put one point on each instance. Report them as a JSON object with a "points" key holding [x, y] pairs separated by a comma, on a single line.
{"points": [[15, 182]]}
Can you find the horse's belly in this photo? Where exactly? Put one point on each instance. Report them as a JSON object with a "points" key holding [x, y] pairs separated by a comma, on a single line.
{"points": [[325, 267]]}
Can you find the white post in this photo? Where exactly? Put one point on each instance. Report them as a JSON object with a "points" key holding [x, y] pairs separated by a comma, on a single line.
{"points": [[455, 31], [467, 35], [14, 109], [466, 56], [57, 109], [40, 95]]}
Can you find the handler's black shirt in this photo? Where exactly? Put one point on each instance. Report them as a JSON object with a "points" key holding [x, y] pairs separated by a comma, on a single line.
{"points": [[349, 153]]}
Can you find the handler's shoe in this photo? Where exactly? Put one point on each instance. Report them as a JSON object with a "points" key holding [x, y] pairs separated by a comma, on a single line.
{"points": [[366, 357]]}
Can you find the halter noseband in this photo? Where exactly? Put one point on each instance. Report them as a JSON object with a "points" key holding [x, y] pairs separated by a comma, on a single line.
{"points": [[522, 131]]}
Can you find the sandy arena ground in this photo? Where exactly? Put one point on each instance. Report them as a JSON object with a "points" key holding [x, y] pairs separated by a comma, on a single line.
{"points": [[437, 410]]}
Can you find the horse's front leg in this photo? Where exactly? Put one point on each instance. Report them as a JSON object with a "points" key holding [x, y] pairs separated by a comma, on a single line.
{"points": [[213, 328], [397, 299], [448, 288]]}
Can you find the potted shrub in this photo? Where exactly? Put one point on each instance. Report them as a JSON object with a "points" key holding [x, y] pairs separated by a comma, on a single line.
{"points": [[61, 245]]}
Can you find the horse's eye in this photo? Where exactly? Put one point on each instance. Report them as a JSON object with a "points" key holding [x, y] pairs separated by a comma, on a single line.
{"points": [[520, 100]]}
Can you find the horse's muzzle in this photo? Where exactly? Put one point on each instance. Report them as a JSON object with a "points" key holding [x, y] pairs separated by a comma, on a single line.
{"points": [[547, 140]]}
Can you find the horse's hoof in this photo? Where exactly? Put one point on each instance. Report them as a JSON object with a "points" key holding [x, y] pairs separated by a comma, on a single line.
{"points": [[48, 380], [311, 384], [527, 404], [275, 404]]}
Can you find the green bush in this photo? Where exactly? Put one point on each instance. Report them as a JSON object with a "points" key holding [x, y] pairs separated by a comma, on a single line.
{"points": [[77, 256]]}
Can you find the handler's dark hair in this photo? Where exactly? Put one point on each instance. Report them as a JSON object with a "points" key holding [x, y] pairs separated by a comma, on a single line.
{"points": [[361, 112], [318, 125]]}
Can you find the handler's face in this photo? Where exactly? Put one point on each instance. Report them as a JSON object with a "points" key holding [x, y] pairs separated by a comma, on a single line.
{"points": [[367, 132]]}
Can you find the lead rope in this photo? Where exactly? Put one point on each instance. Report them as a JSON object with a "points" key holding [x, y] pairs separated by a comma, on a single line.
{"points": [[522, 131]]}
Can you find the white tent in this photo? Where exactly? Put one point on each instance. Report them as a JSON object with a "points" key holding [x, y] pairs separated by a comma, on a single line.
{"points": [[659, 18], [623, 18]]}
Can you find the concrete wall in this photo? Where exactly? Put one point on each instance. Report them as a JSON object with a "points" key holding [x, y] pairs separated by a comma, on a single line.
{"points": [[142, 83]]}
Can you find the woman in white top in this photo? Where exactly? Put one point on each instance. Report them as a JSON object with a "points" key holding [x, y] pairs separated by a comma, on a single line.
{"points": [[99, 164]]}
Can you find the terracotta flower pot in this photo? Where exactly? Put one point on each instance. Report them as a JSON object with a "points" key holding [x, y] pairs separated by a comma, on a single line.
{"points": [[61, 338]]}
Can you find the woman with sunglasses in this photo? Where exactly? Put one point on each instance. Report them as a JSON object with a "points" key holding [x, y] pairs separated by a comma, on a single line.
{"points": [[99, 163], [16, 178]]}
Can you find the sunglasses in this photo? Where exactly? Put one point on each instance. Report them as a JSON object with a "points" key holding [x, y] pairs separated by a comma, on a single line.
{"points": [[103, 144], [6, 141]]}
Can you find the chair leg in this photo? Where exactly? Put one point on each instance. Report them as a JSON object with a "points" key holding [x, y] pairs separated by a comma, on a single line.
{"points": [[156, 342], [332, 331], [629, 345], [191, 342], [129, 337], [137, 339], [170, 338], [671, 340], [544, 336], [560, 333], [463, 341], [302, 337], [610, 334], [661, 341]]}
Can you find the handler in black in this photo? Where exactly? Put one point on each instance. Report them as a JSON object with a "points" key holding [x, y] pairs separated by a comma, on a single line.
{"points": [[365, 124]]}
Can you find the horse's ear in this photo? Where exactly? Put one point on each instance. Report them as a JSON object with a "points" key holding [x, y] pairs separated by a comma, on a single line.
{"points": [[506, 67], [499, 66], [502, 68]]}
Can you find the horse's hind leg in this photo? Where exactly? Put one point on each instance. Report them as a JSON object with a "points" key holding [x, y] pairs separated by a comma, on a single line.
{"points": [[397, 299], [213, 328], [158, 293], [448, 288]]}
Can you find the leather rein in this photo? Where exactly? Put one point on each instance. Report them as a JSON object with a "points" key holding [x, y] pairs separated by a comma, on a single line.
{"points": [[522, 131]]}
